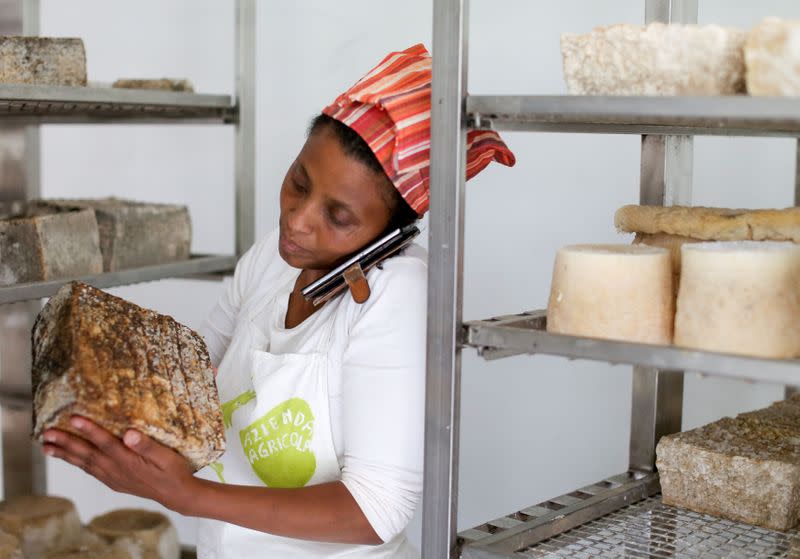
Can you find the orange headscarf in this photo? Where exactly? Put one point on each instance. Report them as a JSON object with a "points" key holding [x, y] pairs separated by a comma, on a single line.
{"points": [[390, 108]]}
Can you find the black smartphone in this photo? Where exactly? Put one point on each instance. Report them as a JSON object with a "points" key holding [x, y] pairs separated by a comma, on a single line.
{"points": [[370, 256]]}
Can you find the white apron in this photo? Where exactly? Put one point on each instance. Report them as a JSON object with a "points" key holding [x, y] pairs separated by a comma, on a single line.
{"points": [[276, 411]]}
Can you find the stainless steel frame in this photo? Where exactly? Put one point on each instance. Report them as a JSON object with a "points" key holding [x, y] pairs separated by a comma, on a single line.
{"points": [[445, 264], [23, 466], [245, 124], [665, 180]]}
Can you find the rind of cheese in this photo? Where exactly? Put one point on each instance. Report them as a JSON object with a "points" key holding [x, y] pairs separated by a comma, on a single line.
{"points": [[41, 523], [740, 297], [772, 58], [655, 59], [620, 292], [143, 534], [711, 224]]}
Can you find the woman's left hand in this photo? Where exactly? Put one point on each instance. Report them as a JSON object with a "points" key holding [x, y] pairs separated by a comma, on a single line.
{"points": [[137, 464]]}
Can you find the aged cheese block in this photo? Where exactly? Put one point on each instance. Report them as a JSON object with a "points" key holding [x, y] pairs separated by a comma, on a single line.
{"points": [[135, 234], [42, 61], [40, 243], [656, 59], [143, 534], [745, 469], [711, 224], [612, 291], [10, 546], [772, 58], [41, 523], [166, 84], [108, 552], [740, 297], [124, 367]]}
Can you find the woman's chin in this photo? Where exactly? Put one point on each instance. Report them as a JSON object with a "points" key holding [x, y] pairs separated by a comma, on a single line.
{"points": [[291, 259]]}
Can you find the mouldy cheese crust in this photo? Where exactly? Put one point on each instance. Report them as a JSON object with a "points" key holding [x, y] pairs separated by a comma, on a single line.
{"points": [[42, 61], [745, 469], [142, 533], [124, 367], [656, 59], [772, 55], [134, 234]]}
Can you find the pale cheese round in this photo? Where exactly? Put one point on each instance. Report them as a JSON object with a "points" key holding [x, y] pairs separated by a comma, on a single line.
{"points": [[142, 534], [42, 523], [620, 292], [740, 297]]}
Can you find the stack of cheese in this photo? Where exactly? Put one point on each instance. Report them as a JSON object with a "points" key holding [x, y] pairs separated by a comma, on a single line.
{"points": [[676, 59], [44, 527], [737, 272]]}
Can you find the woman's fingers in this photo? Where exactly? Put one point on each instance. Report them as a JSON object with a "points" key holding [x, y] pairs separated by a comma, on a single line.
{"points": [[163, 457], [104, 441]]}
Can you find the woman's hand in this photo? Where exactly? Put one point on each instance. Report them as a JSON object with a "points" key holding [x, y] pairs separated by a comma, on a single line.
{"points": [[136, 464]]}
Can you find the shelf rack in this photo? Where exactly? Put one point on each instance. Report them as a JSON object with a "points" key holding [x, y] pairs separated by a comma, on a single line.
{"points": [[622, 516], [30, 104], [196, 265], [22, 109]]}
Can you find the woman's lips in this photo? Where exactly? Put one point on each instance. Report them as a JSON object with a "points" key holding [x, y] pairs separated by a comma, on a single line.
{"points": [[290, 247]]}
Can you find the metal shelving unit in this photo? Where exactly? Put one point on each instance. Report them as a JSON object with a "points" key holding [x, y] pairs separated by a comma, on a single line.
{"points": [[622, 516], [22, 109]]}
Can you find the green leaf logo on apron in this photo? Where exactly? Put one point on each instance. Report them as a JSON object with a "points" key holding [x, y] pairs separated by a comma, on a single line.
{"points": [[278, 446]]}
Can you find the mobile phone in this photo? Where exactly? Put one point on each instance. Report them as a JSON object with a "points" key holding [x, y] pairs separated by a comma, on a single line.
{"points": [[368, 257]]}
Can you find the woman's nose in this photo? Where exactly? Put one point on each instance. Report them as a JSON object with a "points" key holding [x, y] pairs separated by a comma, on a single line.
{"points": [[301, 218]]}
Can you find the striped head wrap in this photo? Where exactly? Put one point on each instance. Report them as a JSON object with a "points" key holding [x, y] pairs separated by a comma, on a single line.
{"points": [[390, 108]]}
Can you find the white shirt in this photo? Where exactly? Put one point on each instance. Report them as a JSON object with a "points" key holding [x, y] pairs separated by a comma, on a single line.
{"points": [[377, 397]]}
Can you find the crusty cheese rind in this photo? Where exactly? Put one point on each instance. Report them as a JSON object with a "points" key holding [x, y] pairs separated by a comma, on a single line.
{"points": [[617, 292], [740, 297], [711, 224], [772, 58], [655, 59]]}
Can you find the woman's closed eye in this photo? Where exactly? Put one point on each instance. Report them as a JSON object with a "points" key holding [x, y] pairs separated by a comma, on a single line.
{"points": [[299, 187], [339, 217]]}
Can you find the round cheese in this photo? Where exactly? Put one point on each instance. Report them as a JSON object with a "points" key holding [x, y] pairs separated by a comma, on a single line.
{"points": [[621, 292], [740, 297], [10, 546], [42, 523], [143, 534]]}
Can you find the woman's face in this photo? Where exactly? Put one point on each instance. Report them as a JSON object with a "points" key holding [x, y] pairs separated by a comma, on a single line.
{"points": [[331, 205]]}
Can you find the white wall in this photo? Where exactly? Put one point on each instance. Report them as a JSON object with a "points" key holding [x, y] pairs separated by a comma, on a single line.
{"points": [[532, 427]]}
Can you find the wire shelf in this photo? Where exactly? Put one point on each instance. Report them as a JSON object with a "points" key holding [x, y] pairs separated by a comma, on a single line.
{"points": [[653, 530]]}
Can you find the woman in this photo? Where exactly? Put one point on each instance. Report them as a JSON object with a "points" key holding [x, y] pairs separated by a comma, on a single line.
{"points": [[323, 406]]}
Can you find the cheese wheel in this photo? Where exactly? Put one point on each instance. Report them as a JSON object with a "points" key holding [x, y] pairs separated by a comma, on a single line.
{"points": [[740, 297], [10, 546], [42, 523], [143, 534], [621, 292]]}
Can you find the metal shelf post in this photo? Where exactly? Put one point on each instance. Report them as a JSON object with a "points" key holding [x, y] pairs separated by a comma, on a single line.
{"points": [[443, 385], [666, 179], [23, 464], [245, 125]]}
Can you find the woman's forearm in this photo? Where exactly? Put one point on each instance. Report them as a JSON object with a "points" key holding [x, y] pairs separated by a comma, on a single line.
{"points": [[325, 512]]}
